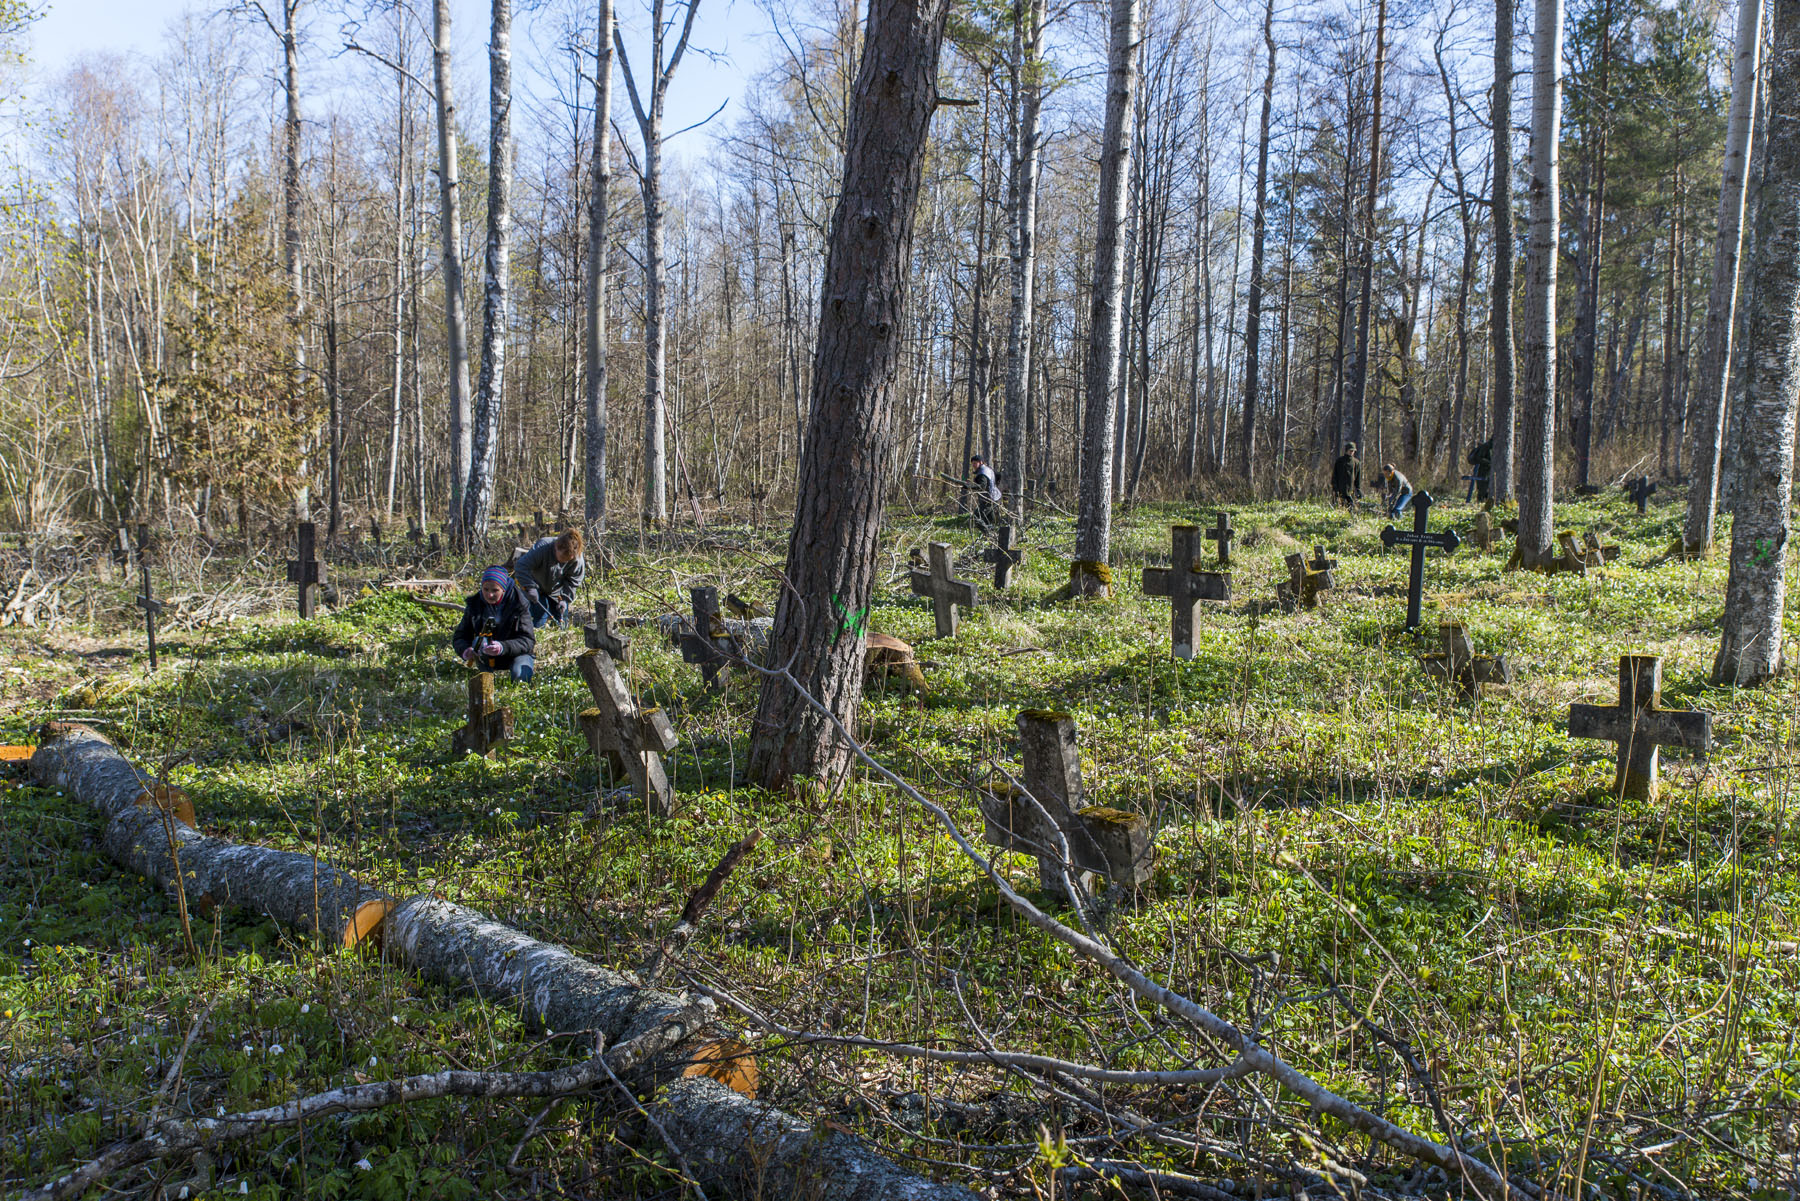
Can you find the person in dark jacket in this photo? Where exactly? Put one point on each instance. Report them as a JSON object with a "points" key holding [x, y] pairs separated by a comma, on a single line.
{"points": [[495, 633], [1399, 490], [1346, 477], [1481, 459], [548, 574]]}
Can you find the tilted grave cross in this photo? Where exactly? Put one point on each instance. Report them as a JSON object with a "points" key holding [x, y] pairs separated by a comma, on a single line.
{"points": [[1221, 532], [601, 633], [1306, 580], [307, 570], [943, 588], [147, 600], [1005, 556], [1486, 536], [1185, 586], [1640, 725], [1574, 558], [1107, 842], [631, 738], [1640, 490], [1458, 664], [488, 726], [707, 643], [1419, 540], [1598, 549]]}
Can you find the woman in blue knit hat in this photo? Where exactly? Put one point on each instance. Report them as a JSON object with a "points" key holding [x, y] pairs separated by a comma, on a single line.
{"points": [[495, 633]]}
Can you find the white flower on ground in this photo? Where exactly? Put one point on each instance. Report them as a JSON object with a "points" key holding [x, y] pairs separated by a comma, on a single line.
{"points": [[364, 1163]]}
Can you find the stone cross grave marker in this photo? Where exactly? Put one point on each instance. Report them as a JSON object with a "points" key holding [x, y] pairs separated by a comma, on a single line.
{"points": [[1005, 556], [147, 600], [1419, 540], [488, 726], [1106, 842], [1457, 663], [631, 738], [601, 633], [1640, 725], [943, 588], [1598, 549], [1487, 535], [1306, 580], [1574, 558], [707, 643], [1185, 586], [1221, 532], [121, 549], [307, 571], [1640, 490]]}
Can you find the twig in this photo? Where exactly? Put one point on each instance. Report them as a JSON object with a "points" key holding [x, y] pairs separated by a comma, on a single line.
{"points": [[691, 913]]}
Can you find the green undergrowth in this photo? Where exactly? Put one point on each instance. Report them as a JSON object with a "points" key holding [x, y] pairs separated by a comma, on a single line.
{"points": [[1348, 859]]}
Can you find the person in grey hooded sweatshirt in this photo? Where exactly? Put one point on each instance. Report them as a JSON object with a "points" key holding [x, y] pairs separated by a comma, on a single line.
{"points": [[548, 575]]}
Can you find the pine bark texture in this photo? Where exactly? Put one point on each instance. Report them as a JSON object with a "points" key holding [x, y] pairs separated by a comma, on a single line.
{"points": [[1712, 386], [456, 321], [490, 390], [831, 561], [594, 489], [1537, 424], [1500, 485], [1101, 378], [1750, 647]]}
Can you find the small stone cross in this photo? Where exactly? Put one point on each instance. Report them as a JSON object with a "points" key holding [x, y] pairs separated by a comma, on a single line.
{"points": [[1640, 725], [632, 739], [1004, 557], [1221, 532], [1106, 842], [1598, 550], [147, 600], [1419, 540], [1575, 558], [944, 589], [1486, 535], [1457, 663], [602, 633], [1185, 586], [1307, 580], [707, 643], [489, 725], [307, 570], [1640, 490]]}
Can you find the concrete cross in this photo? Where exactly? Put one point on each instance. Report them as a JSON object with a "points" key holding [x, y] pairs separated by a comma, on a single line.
{"points": [[1221, 532], [1457, 663], [488, 726], [1598, 550], [602, 633], [1574, 558], [1307, 580], [1640, 490], [1004, 557], [632, 739], [943, 588], [1640, 726], [147, 600], [1487, 536], [1185, 586], [1105, 842], [707, 643], [307, 570], [1419, 540]]}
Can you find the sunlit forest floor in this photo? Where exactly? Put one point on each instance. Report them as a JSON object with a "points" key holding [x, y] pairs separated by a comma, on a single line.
{"points": [[1606, 993]]}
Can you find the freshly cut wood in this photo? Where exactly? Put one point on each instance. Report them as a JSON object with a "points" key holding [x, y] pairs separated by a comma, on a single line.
{"points": [[297, 891], [422, 585]]}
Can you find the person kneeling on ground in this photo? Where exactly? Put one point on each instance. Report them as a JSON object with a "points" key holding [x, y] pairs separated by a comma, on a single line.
{"points": [[549, 573], [1399, 490], [495, 633]]}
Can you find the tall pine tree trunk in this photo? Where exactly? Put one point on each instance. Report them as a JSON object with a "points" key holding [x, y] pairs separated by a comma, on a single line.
{"points": [[831, 563], [1500, 486], [1259, 227], [490, 389], [1027, 87], [1537, 426], [456, 322], [1357, 385], [594, 378], [1721, 303], [1750, 646]]}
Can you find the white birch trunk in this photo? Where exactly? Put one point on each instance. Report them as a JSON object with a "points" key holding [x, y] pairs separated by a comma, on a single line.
{"points": [[1537, 425], [594, 483], [1500, 483], [490, 390], [456, 323]]}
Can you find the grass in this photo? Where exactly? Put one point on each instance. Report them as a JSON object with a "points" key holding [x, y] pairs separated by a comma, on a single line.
{"points": [[1345, 853]]}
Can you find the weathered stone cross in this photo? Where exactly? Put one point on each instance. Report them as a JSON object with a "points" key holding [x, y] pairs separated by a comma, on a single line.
{"points": [[1004, 557], [1307, 580], [1185, 586], [1597, 549], [1419, 541], [602, 633], [1107, 842], [707, 643], [1457, 663], [1640, 490], [1575, 558], [944, 589], [1221, 532], [307, 570], [1640, 726], [1486, 535], [488, 726], [147, 601], [632, 739]]}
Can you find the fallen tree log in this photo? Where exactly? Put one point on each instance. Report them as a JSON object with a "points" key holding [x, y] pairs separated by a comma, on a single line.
{"points": [[731, 1141]]}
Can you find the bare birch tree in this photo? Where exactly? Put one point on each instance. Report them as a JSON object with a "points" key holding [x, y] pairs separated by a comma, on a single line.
{"points": [[456, 322], [1500, 485], [1026, 77], [1537, 433], [490, 389], [595, 376]]}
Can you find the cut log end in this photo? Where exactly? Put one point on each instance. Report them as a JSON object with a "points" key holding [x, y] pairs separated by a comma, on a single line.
{"points": [[16, 754], [172, 801], [365, 923], [729, 1062]]}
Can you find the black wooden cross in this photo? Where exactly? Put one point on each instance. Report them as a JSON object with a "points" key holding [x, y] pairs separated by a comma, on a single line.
{"points": [[1221, 532], [489, 725], [1640, 490], [1005, 556], [602, 633], [631, 738], [944, 589], [1108, 842], [1419, 541], [307, 570], [147, 601], [708, 643], [1186, 586], [1457, 663], [1640, 725]]}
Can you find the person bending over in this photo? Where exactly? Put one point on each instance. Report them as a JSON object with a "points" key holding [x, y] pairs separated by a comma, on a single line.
{"points": [[548, 574], [495, 633], [986, 489], [1399, 490]]}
